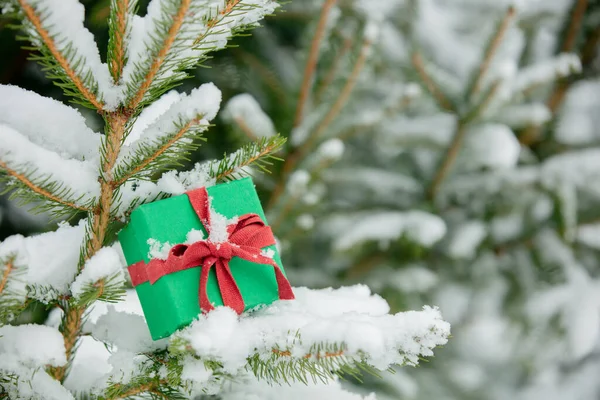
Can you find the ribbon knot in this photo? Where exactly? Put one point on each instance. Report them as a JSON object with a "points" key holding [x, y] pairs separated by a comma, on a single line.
{"points": [[246, 238]]}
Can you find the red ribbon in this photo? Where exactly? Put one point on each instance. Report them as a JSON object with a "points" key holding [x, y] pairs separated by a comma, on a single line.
{"points": [[246, 238]]}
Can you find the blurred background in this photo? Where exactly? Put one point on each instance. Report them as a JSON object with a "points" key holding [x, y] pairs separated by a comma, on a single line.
{"points": [[443, 152]]}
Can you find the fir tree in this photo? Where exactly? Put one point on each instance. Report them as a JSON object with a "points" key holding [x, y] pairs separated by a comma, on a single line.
{"points": [[462, 171], [89, 348]]}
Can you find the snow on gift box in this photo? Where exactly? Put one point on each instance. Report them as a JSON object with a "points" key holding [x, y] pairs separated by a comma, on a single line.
{"points": [[204, 248]]}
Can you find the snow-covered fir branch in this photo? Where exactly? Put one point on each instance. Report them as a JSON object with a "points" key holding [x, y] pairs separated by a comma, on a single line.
{"points": [[50, 155]]}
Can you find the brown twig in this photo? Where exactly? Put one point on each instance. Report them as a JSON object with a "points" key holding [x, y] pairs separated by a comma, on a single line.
{"points": [[245, 128], [574, 25], [311, 63], [73, 316], [333, 70], [140, 167], [448, 159], [8, 269], [118, 61], [36, 189], [158, 61], [531, 135], [60, 58], [491, 50], [215, 21], [431, 86], [287, 353], [226, 173], [298, 155]]}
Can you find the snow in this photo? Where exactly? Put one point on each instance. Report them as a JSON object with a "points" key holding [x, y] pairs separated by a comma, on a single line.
{"points": [[492, 146], [31, 346], [298, 182], [105, 264], [56, 127], [202, 104], [350, 315], [19, 153], [578, 118], [65, 24], [184, 53], [245, 110], [410, 279], [151, 114], [50, 258], [466, 238], [545, 71], [589, 234], [524, 115], [305, 221], [331, 150], [422, 227]]}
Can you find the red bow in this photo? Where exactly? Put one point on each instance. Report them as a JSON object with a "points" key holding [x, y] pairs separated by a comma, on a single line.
{"points": [[246, 238]]}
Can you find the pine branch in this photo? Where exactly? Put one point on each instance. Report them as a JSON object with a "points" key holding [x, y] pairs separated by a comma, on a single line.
{"points": [[154, 157], [160, 57], [432, 87], [333, 69], [8, 268], [448, 160], [11, 302], [46, 190], [298, 155], [554, 101], [490, 51], [576, 19], [311, 63], [118, 29], [48, 47], [259, 154]]}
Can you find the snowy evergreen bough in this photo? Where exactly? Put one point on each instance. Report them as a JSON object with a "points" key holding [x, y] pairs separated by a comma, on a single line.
{"points": [[95, 343]]}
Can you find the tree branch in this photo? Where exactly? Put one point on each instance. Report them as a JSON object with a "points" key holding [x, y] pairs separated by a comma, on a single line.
{"points": [[266, 151], [333, 70], [491, 50], [299, 154], [448, 159], [40, 191], [9, 268], [431, 86], [73, 316], [60, 58], [120, 30], [311, 63], [574, 25], [162, 54], [140, 167]]}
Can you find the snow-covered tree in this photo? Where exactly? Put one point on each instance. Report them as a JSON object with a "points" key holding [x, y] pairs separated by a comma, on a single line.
{"points": [[449, 156], [95, 343]]}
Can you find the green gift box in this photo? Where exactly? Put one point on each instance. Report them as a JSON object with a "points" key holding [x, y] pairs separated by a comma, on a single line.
{"points": [[170, 297]]}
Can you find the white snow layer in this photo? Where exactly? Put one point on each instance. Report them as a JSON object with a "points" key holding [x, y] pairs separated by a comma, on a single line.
{"points": [[105, 264], [26, 157], [55, 127], [202, 103], [184, 50], [65, 24], [50, 259], [349, 315], [151, 114], [24, 352], [244, 110], [579, 120], [422, 227], [493, 146]]}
